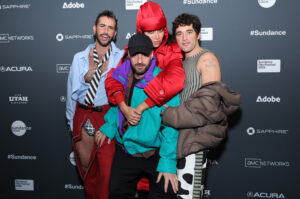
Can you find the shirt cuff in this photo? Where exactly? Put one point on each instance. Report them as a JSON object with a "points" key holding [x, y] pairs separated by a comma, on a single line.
{"points": [[150, 102], [118, 97]]}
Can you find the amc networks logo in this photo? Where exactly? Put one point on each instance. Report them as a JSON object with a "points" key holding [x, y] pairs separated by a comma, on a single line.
{"points": [[252, 163], [259, 163], [63, 68]]}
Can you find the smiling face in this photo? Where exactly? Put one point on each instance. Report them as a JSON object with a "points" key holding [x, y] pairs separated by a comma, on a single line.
{"points": [[187, 38], [105, 30]]}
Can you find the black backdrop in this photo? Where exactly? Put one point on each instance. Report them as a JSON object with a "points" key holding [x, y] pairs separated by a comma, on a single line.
{"points": [[255, 40]]}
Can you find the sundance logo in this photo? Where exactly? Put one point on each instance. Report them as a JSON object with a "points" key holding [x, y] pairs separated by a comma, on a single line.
{"points": [[258, 163], [252, 131], [268, 66], [16, 69], [266, 99], [18, 99], [251, 194], [134, 4], [19, 128], [20, 157], [200, 1], [24, 185], [206, 34], [266, 33], [71, 5], [21, 6], [60, 37], [63, 68], [74, 187], [6, 38], [266, 3]]}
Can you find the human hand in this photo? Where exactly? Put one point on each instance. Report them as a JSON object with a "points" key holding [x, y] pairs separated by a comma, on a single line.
{"points": [[165, 105], [142, 107], [92, 68], [132, 115], [169, 177], [100, 137]]}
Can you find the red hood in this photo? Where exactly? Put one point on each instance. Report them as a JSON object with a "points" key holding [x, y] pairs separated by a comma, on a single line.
{"points": [[151, 17]]}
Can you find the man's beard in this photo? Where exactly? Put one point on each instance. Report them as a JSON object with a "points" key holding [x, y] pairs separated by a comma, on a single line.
{"points": [[140, 72], [100, 42]]}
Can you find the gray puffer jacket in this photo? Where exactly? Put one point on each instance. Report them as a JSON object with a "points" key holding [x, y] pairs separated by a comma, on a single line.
{"points": [[202, 118]]}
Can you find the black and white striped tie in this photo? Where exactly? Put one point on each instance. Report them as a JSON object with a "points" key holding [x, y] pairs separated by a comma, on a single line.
{"points": [[91, 93]]}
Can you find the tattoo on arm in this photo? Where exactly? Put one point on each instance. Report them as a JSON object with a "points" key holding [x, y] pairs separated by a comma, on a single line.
{"points": [[210, 62]]}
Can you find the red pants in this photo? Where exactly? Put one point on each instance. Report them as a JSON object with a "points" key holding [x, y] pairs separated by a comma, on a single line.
{"points": [[96, 179]]}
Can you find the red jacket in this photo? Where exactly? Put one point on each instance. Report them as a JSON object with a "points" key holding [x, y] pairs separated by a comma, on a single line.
{"points": [[169, 58]]}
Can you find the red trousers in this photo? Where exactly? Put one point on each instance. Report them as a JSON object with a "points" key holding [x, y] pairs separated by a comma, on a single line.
{"points": [[96, 178]]}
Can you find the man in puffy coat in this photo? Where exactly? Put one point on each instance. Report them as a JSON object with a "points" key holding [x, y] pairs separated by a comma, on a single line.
{"points": [[205, 104], [147, 148], [152, 22]]}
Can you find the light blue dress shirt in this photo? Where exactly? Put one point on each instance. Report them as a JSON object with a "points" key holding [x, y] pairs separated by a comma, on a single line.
{"points": [[77, 87]]}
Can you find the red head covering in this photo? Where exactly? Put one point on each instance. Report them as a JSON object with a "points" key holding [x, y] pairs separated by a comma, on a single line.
{"points": [[151, 17]]}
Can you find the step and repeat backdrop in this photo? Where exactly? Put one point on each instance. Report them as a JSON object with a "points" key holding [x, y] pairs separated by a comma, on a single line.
{"points": [[256, 41]]}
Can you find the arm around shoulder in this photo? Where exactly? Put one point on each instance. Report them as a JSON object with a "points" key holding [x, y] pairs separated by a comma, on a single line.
{"points": [[169, 81]]}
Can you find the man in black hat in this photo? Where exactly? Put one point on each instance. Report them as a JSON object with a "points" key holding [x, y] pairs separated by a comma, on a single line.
{"points": [[149, 148]]}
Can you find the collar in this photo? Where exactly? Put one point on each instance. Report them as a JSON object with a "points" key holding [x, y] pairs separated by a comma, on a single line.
{"points": [[86, 52], [121, 73], [114, 52]]}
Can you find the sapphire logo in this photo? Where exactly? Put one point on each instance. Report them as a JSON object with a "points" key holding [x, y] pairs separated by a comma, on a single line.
{"points": [[266, 3], [266, 99], [252, 131], [24, 185], [19, 128], [60, 37], [13, 6]]}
